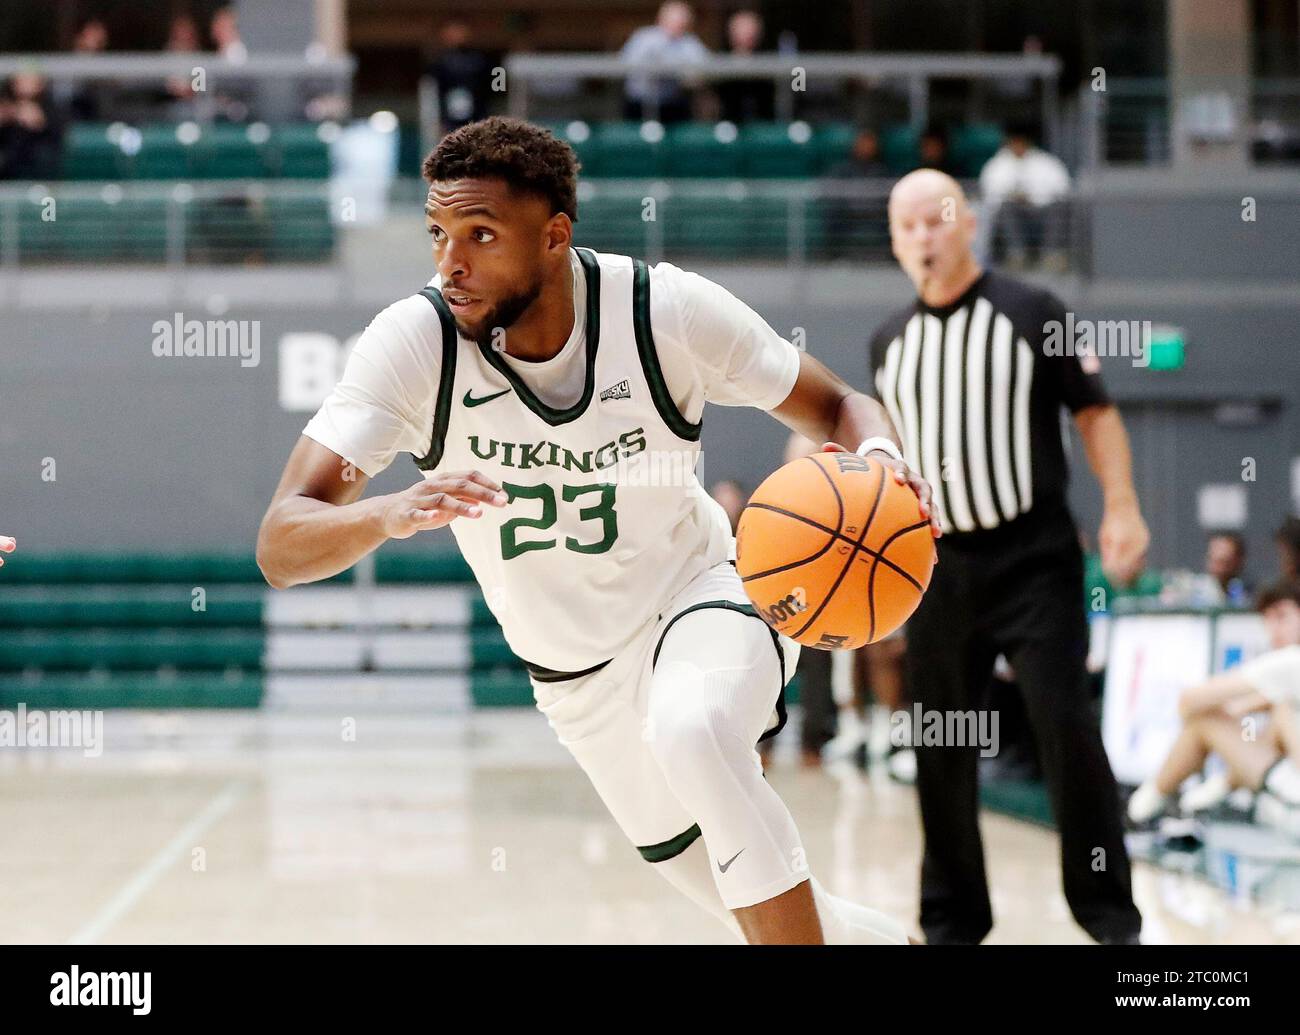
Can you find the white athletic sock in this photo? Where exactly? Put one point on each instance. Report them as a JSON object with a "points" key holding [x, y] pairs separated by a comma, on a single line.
{"points": [[1206, 794], [878, 744], [1283, 781], [847, 923], [1147, 803]]}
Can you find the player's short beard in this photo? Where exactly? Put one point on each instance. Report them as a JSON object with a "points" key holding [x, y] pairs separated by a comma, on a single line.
{"points": [[504, 314]]}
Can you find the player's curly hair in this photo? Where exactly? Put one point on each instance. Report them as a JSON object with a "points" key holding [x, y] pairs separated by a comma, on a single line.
{"points": [[527, 157]]}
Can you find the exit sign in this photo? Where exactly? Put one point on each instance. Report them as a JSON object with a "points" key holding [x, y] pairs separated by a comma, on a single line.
{"points": [[1166, 349]]}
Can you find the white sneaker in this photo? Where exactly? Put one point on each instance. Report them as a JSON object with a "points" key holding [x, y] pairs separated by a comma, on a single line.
{"points": [[902, 766], [1206, 794], [1283, 782], [1146, 804], [851, 736]]}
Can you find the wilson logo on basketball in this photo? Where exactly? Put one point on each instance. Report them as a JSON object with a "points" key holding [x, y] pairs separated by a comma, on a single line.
{"points": [[787, 607]]}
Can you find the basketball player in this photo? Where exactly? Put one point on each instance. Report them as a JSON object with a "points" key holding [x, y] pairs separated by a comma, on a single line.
{"points": [[526, 379]]}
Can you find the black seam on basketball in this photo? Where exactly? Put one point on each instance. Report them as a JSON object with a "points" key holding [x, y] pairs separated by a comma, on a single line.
{"points": [[839, 500], [875, 564], [857, 547], [885, 546], [866, 525], [793, 564]]}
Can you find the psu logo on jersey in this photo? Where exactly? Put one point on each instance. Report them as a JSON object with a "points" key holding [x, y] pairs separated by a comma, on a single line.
{"points": [[622, 390], [793, 603]]}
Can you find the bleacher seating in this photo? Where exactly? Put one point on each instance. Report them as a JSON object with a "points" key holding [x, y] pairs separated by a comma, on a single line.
{"points": [[186, 151], [120, 630]]}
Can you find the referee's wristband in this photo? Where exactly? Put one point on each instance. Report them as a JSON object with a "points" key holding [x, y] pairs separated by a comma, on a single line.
{"points": [[882, 444]]}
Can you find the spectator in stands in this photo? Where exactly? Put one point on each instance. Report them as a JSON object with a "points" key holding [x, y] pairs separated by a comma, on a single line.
{"points": [[233, 103], [1215, 715], [745, 100], [669, 42], [1225, 560], [83, 100], [224, 30], [1024, 190], [31, 132], [933, 147], [863, 159], [1287, 538], [7, 545], [463, 73], [178, 91]]}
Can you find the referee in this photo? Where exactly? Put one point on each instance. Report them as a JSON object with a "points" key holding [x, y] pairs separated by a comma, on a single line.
{"points": [[975, 389]]}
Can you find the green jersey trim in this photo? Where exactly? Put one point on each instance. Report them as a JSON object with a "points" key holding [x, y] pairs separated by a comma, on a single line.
{"points": [[554, 417], [446, 381], [645, 346]]}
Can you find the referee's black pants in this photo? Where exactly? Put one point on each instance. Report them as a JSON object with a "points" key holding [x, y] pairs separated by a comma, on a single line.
{"points": [[1015, 590]]}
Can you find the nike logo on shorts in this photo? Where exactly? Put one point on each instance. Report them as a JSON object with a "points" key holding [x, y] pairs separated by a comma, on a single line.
{"points": [[723, 867]]}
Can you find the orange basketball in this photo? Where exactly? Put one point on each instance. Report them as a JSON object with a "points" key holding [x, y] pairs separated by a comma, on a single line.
{"points": [[833, 551]]}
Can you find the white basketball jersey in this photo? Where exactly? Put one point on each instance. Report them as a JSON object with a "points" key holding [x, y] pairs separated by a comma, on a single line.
{"points": [[606, 519]]}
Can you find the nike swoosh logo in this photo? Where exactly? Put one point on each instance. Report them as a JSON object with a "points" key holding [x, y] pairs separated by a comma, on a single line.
{"points": [[471, 401], [723, 867]]}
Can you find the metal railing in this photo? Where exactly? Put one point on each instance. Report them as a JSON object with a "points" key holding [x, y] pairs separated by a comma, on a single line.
{"points": [[1130, 122], [247, 222], [781, 222], [272, 83], [529, 75]]}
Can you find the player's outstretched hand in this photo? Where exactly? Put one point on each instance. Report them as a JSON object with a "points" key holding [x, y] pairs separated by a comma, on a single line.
{"points": [[7, 545], [437, 501], [904, 475]]}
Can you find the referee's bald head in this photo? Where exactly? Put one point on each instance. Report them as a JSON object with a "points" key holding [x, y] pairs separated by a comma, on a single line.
{"points": [[931, 229]]}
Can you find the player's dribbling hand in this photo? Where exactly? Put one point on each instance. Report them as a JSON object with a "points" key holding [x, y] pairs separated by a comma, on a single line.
{"points": [[904, 475], [437, 501], [7, 545]]}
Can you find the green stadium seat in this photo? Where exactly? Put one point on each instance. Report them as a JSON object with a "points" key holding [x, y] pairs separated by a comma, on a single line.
{"points": [[630, 150], [299, 152], [832, 143], [707, 226], [900, 149], [81, 650], [695, 149], [441, 565], [166, 152], [973, 145], [36, 568], [233, 689], [90, 153], [56, 607], [777, 150], [231, 153], [300, 229], [609, 222]]}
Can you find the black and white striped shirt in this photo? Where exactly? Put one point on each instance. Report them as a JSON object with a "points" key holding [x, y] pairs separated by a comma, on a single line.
{"points": [[977, 400]]}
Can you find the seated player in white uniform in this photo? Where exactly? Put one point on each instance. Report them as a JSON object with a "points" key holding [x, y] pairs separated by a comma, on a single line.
{"points": [[1223, 716], [551, 398]]}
